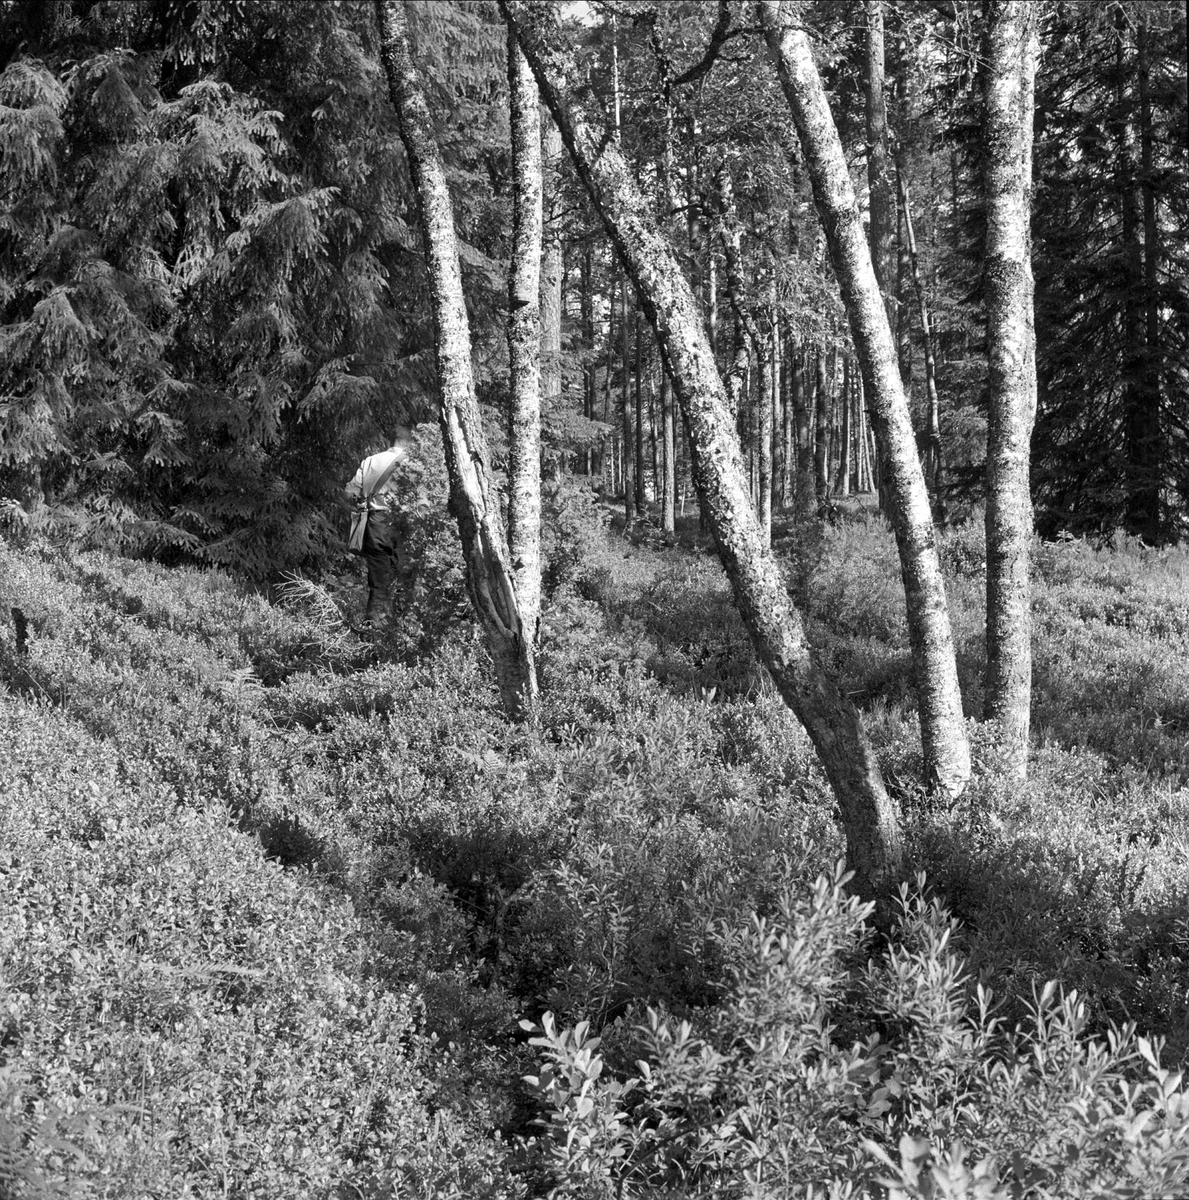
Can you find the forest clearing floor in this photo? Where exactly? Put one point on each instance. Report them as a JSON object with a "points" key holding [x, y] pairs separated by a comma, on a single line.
{"points": [[275, 898]]}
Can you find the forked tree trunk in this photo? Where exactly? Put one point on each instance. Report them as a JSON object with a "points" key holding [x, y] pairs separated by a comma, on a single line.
{"points": [[873, 839], [943, 731], [1010, 78], [490, 580]]}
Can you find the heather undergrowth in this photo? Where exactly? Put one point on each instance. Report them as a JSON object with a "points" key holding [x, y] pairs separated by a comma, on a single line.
{"points": [[277, 899]]}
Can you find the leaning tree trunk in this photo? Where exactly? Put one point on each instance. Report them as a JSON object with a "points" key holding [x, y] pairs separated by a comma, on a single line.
{"points": [[473, 501], [873, 838], [1010, 77], [943, 731]]}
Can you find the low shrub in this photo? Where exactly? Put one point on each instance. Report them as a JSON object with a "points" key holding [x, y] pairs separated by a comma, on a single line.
{"points": [[828, 1070]]}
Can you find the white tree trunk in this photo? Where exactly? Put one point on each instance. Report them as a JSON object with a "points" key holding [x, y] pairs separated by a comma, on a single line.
{"points": [[1010, 78], [943, 731], [526, 343], [490, 581], [873, 838]]}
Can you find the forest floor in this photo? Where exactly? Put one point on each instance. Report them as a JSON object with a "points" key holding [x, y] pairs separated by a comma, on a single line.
{"points": [[275, 899]]}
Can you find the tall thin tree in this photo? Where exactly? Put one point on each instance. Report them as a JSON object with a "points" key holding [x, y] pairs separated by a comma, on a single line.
{"points": [[491, 581], [1011, 346], [943, 731]]}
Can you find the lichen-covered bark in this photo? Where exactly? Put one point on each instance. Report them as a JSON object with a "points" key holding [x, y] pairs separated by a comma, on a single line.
{"points": [[873, 839], [526, 344], [943, 731], [1010, 75], [490, 582]]}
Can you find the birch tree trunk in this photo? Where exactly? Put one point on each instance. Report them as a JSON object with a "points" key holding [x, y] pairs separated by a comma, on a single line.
{"points": [[527, 339], [550, 256], [873, 839], [1010, 78], [943, 732], [490, 579]]}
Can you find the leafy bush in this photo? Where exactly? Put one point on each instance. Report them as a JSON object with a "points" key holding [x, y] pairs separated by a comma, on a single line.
{"points": [[815, 1074]]}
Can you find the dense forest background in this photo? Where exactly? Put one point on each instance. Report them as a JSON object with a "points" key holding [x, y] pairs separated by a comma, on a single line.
{"points": [[803, 849], [213, 298]]}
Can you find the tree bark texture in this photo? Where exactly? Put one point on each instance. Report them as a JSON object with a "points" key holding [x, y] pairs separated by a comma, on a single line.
{"points": [[873, 838], [1009, 82], [490, 580], [551, 260], [943, 731], [527, 337]]}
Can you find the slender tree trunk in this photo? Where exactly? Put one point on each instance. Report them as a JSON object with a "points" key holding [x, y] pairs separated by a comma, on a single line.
{"points": [[639, 454], [666, 484], [526, 336], [1145, 500], [883, 228], [873, 839], [491, 580], [821, 435], [934, 460], [551, 265], [629, 473], [883, 206], [944, 743], [844, 455], [588, 341], [1010, 76], [780, 423]]}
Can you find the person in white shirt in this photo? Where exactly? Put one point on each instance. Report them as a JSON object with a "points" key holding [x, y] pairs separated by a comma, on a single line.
{"points": [[377, 483]]}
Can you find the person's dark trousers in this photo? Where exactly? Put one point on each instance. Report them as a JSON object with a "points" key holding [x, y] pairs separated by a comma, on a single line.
{"points": [[380, 549]]}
